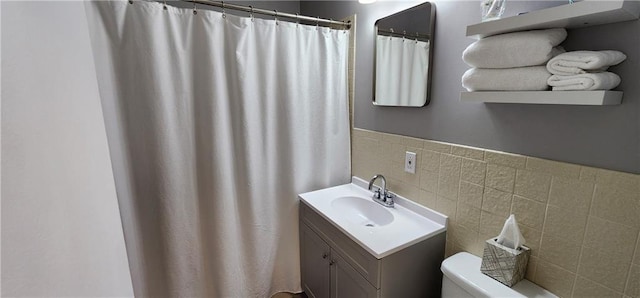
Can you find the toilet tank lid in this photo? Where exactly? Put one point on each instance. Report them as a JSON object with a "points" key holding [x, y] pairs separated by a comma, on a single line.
{"points": [[464, 270]]}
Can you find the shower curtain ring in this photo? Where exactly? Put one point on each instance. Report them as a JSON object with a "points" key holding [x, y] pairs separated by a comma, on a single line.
{"points": [[276, 16], [297, 19], [251, 12], [224, 13], [317, 22], [194, 9], [130, 1], [164, 4]]}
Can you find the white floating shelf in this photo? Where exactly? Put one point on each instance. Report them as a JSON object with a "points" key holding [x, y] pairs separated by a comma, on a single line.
{"points": [[593, 98], [580, 14]]}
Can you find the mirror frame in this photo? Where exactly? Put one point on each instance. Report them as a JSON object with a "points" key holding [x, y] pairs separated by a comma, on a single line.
{"points": [[432, 22]]}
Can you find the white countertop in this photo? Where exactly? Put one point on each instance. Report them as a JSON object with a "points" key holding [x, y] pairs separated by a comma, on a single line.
{"points": [[411, 223]]}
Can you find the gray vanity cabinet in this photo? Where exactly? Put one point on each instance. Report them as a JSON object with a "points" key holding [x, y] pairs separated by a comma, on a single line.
{"points": [[334, 266], [326, 273]]}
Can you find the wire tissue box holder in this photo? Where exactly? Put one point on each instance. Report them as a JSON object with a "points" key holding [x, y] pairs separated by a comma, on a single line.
{"points": [[504, 264]]}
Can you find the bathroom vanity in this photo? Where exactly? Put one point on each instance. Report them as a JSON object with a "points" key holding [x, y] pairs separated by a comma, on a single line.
{"points": [[353, 247]]}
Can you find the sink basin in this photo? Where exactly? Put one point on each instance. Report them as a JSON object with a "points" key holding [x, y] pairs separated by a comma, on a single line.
{"points": [[379, 230], [361, 211]]}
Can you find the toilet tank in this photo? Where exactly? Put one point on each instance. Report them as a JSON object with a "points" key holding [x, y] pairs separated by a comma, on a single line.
{"points": [[462, 278]]}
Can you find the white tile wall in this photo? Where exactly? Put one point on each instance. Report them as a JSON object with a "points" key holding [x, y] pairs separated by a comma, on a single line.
{"points": [[582, 223]]}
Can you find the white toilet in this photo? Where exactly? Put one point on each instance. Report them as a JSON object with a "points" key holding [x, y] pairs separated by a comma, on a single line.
{"points": [[462, 278]]}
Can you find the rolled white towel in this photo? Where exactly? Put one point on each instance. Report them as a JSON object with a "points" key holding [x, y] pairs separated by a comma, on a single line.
{"points": [[585, 81], [532, 78], [577, 62], [517, 49]]}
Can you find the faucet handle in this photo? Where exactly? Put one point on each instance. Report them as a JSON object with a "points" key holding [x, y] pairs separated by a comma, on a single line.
{"points": [[377, 193], [388, 197]]}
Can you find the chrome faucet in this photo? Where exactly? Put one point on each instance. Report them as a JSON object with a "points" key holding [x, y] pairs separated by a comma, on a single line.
{"points": [[381, 195]]}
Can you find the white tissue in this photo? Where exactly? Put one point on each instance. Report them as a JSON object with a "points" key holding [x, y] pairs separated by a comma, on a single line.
{"points": [[510, 235]]}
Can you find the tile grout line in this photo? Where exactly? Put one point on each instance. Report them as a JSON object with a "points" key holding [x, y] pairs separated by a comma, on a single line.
{"points": [[584, 234], [600, 284], [544, 224], [628, 278], [499, 152], [486, 170]]}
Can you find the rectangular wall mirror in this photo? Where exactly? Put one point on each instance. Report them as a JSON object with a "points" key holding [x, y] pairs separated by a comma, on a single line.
{"points": [[403, 56]]}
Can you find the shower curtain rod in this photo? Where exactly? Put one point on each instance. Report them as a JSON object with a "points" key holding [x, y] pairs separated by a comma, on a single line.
{"points": [[274, 13], [405, 34]]}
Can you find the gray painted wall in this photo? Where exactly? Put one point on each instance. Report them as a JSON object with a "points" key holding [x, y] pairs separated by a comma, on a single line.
{"points": [[601, 136]]}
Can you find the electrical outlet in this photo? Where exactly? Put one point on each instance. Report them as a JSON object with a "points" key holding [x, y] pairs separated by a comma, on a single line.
{"points": [[410, 162]]}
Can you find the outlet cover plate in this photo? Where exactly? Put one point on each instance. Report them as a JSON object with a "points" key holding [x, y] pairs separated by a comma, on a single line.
{"points": [[410, 162]]}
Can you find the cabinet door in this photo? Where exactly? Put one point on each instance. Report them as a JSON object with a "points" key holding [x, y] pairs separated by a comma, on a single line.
{"points": [[346, 282], [361, 260], [314, 262]]}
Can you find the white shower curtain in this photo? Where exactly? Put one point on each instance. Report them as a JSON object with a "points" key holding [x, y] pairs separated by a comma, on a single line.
{"points": [[215, 123], [401, 71]]}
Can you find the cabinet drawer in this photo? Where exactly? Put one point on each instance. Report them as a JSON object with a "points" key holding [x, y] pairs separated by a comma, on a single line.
{"points": [[361, 260]]}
